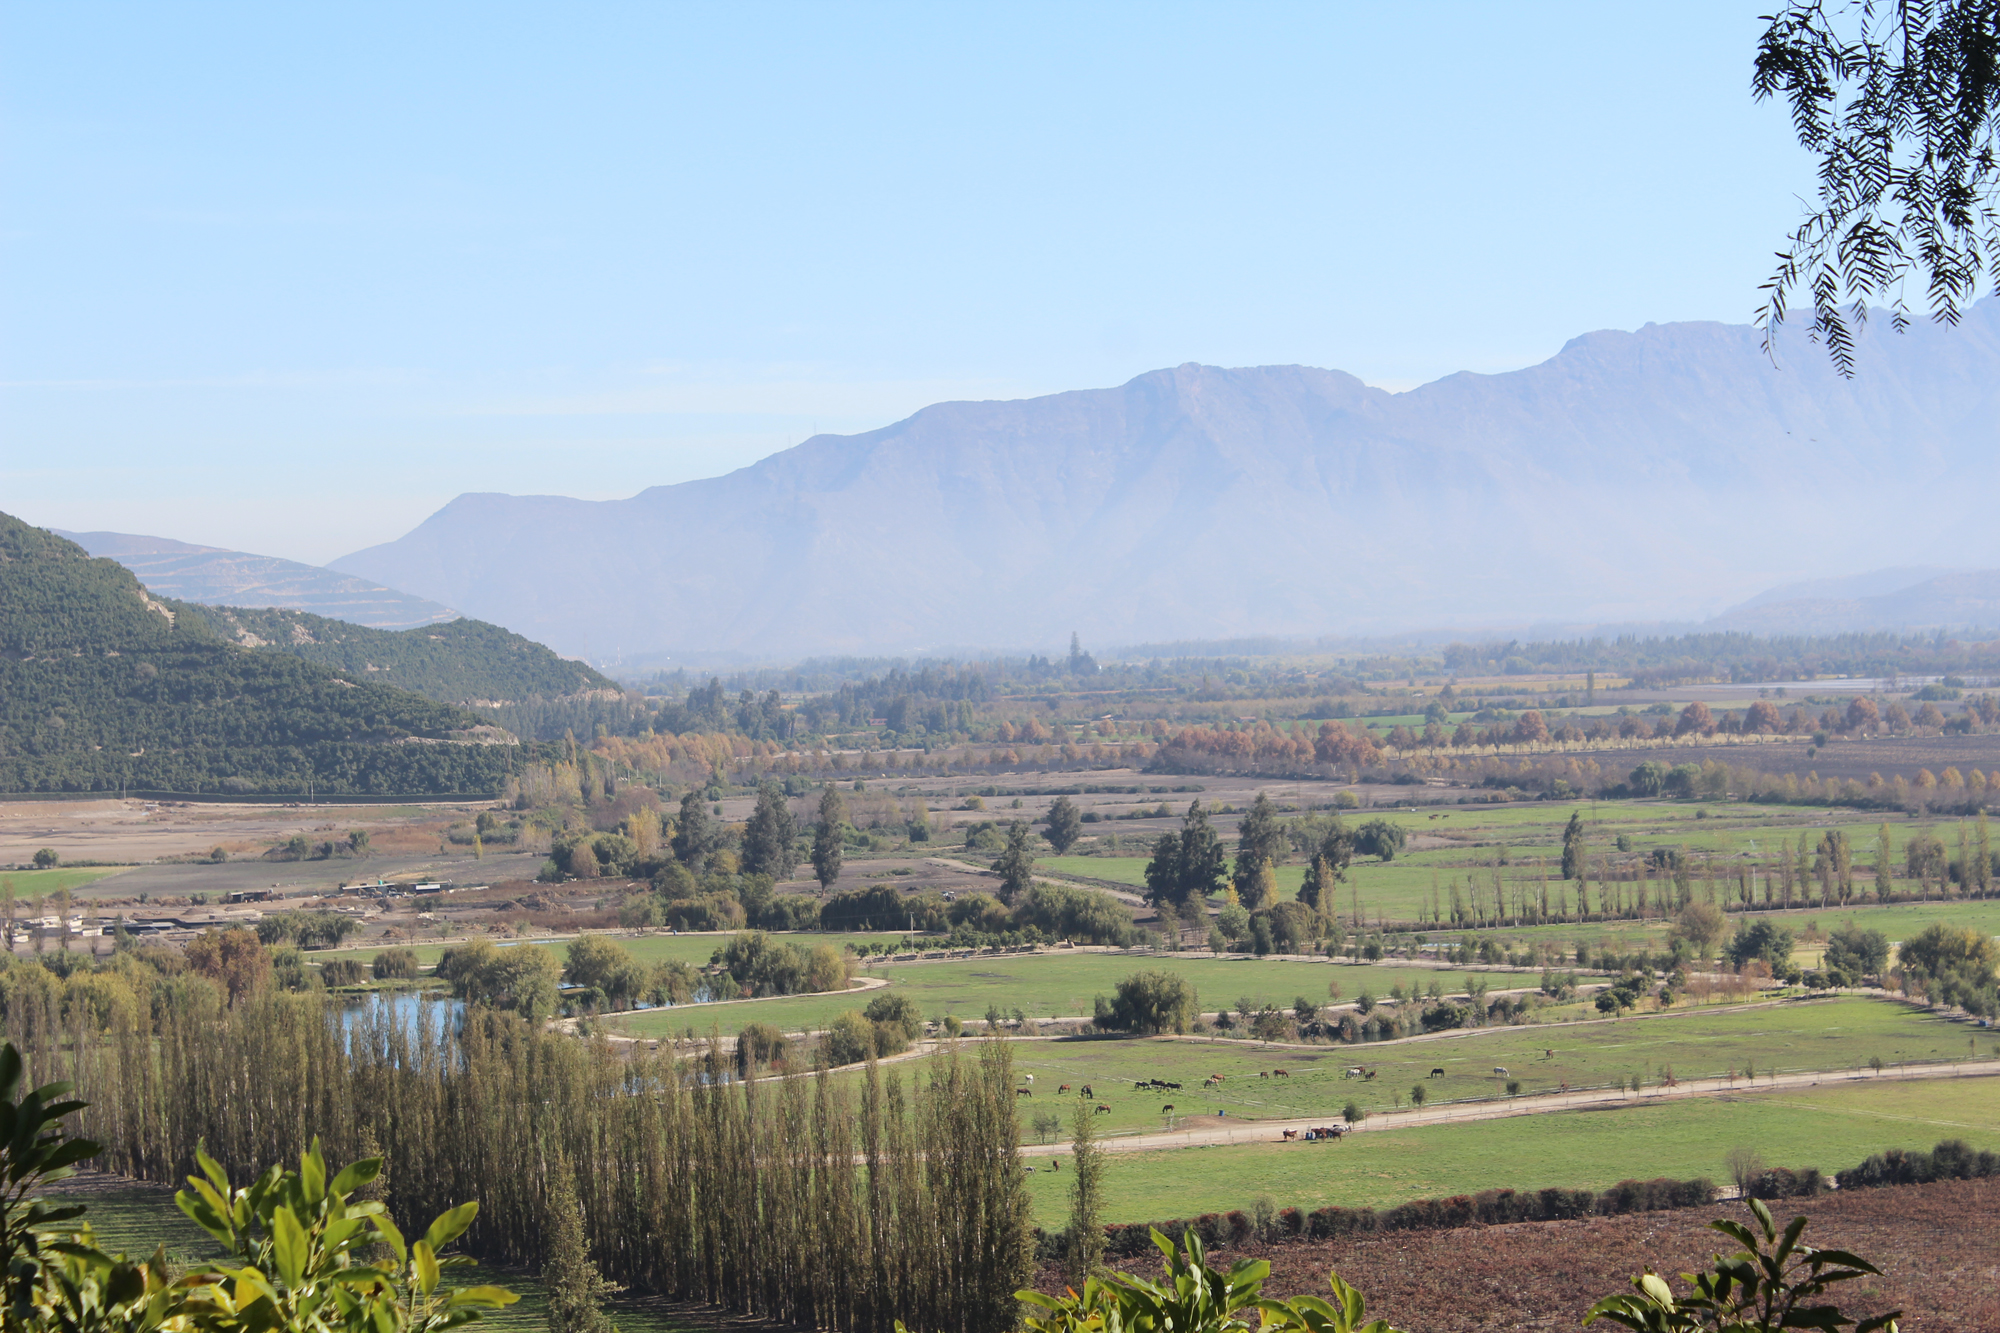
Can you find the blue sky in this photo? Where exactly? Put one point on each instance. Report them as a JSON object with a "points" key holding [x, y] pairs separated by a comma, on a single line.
{"points": [[287, 278]]}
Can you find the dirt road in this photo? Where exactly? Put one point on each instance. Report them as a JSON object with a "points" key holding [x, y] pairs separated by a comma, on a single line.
{"points": [[1271, 1131]]}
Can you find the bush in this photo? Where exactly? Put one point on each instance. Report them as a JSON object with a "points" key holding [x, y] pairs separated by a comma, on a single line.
{"points": [[1066, 913], [1954, 1159], [343, 972], [396, 965], [849, 1039], [760, 1044], [1150, 1003], [898, 1011]]}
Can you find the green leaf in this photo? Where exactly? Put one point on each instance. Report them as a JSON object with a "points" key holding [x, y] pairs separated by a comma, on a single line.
{"points": [[392, 1237], [312, 1172], [450, 1226], [288, 1245], [496, 1297], [424, 1260], [212, 1169], [356, 1175]]}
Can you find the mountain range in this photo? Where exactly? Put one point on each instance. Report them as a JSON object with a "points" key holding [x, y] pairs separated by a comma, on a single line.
{"points": [[1656, 474], [1889, 599], [214, 576]]}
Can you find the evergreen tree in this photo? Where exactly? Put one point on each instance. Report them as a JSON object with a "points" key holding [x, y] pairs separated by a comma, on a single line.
{"points": [[1202, 860], [770, 839], [694, 838], [1065, 825], [576, 1289], [1016, 866], [1163, 872], [1572, 864], [827, 838], [1259, 841]]}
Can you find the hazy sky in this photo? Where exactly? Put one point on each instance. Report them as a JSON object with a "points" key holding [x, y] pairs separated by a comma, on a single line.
{"points": [[287, 278]]}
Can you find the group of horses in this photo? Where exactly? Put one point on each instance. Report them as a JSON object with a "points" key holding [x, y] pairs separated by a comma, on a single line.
{"points": [[1318, 1134]]}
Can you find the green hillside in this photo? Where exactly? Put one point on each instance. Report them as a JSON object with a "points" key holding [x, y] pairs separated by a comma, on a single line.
{"points": [[103, 687], [459, 661]]}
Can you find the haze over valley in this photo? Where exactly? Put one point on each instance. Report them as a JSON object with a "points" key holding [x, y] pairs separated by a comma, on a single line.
{"points": [[1659, 475]]}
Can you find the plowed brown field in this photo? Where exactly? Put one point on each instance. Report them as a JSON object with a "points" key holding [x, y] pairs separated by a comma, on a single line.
{"points": [[1936, 1244]]}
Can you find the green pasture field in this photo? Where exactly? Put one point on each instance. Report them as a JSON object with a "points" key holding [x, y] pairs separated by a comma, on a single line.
{"points": [[1042, 986], [1899, 921], [137, 1219], [78, 880], [1830, 1128], [1836, 1034], [1532, 836]]}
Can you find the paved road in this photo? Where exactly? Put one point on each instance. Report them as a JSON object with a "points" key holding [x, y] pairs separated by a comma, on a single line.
{"points": [[1270, 1131]]}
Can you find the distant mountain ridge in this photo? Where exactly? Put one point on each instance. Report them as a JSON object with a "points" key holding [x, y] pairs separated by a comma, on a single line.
{"points": [[1910, 599], [467, 662], [1633, 476], [217, 577]]}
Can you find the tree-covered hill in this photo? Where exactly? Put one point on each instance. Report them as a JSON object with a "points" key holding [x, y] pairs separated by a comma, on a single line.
{"points": [[103, 687], [459, 662]]}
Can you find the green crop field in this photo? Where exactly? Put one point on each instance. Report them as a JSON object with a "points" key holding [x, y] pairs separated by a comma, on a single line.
{"points": [[1042, 986], [1836, 1034], [1829, 1128], [78, 880], [1467, 844]]}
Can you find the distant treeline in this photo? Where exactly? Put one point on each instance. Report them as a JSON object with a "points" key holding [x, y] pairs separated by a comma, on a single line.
{"points": [[1737, 657]]}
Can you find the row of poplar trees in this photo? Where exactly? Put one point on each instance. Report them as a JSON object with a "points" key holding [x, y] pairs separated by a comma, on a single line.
{"points": [[822, 1201]]}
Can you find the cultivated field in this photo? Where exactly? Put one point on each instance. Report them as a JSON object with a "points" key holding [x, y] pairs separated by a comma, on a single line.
{"points": [[1041, 986], [1830, 1128], [1835, 1034], [1935, 1245]]}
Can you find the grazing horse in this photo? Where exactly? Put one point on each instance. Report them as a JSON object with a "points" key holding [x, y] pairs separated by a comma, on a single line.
{"points": [[1063, 1088], [1438, 1072], [1262, 1074], [1368, 1076], [1548, 1053], [1279, 1073], [1168, 1109], [1208, 1083], [1024, 1092], [1289, 1133], [1029, 1079], [1350, 1073], [1086, 1092], [1499, 1071], [1102, 1109]]}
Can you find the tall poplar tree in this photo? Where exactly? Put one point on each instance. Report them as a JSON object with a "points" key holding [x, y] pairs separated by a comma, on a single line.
{"points": [[828, 838]]}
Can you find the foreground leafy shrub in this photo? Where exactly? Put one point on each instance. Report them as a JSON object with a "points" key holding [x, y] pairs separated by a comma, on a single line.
{"points": [[298, 1246]]}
